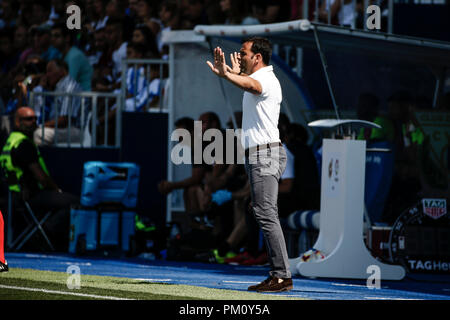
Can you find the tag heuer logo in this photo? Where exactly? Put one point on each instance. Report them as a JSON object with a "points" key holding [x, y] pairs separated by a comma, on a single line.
{"points": [[434, 208]]}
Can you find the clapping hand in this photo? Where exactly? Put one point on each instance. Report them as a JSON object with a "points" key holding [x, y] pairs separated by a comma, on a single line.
{"points": [[220, 67], [235, 63]]}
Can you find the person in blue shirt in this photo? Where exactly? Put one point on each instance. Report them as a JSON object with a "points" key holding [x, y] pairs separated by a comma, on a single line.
{"points": [[79, 67]]}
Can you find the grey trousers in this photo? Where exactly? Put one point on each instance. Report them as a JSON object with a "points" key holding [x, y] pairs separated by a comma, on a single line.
{"points": [[264, 169]]}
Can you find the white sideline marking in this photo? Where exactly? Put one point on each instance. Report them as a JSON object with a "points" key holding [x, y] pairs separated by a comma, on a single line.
{"points": [[244, 282], [63, 292], [153, 280], [387, 298]]}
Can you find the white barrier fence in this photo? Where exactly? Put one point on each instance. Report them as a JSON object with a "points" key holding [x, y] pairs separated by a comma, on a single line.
{"points": [[86, 113], [92, 118]]}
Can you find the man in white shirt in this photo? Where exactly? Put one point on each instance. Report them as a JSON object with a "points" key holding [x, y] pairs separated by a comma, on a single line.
{"points": [[64, 112], [265, 157]]}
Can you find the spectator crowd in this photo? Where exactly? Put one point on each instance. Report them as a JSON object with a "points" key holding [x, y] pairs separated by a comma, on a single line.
{"points": [[32, 33]]}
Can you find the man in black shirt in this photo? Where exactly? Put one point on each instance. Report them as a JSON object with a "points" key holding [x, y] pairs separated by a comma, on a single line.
{"points": [[28, 177]]}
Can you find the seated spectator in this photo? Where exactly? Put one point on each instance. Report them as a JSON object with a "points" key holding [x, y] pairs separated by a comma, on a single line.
{"points": [[169, 16], [63, 110], [97, 50], [102, 79], [42, 43], [28, 177], [99, 10], [296, 10], [8, 17], [237, 12], [132, 9], [225, 198], [141, 92], [193, 12], [40, 13], [342, 12], [20, 39], [79, 68], [25, 80], [156, 86], [57, 11], [270, 11], [8, 56], [115, 9], [117, 46], [190, 184], [147, 15], [25, 13], [143, 35], [19, 97]]}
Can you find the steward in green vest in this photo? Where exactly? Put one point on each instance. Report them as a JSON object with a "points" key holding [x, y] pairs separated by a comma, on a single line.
{"points": [[28, 178], [14, 174], [21, 161]]}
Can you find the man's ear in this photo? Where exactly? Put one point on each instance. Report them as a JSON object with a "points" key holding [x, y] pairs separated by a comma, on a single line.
{"points": [[258, 56]]}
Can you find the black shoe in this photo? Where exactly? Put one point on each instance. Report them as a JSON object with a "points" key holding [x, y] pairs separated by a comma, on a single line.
{"points": [[276, 285], [259, 285], [4, 266]]}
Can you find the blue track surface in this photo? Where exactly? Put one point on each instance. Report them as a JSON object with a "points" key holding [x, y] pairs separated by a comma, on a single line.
{"points": [[414, 286]]}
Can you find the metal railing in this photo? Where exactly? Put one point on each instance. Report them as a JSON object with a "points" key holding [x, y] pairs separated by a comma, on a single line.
{"points": [[99, 111], [88, 121]]}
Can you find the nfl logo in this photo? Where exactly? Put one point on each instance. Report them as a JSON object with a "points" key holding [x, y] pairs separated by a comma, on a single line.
{"points": [[434, 208]]}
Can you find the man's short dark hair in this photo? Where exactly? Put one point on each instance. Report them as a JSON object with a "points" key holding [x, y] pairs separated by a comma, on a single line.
{"points": [[213, 117], [64, 31], [186, 123], [138, 47], [262, 46], [115, 22]]}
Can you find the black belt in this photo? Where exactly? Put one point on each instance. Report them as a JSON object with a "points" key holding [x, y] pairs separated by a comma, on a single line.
{"points": [[262, 147]]}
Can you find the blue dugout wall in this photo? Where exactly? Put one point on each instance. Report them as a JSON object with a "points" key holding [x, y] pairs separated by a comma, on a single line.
{"points": [[144, 142]]}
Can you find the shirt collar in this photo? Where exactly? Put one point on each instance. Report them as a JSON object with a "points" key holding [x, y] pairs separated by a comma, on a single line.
{"points": [[263, 69]]}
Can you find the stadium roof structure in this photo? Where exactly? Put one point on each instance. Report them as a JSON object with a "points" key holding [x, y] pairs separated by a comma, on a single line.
{"points": [[300, 33]]}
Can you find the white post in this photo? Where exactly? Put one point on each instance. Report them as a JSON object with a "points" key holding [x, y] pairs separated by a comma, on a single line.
{"points": [[170, 122], [341, 218]]}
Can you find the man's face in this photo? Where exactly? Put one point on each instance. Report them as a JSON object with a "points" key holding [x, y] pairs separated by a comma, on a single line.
{"points": [[98, 6], [26, 122], [191, 9], [138, 36], [41, 40], [131, 54], [164, 14], [111, 34], [54, 74], [247, 58], [143, 10], [20, 37], [57, 39], [133, 5], [225, 5], [99, 39]]}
